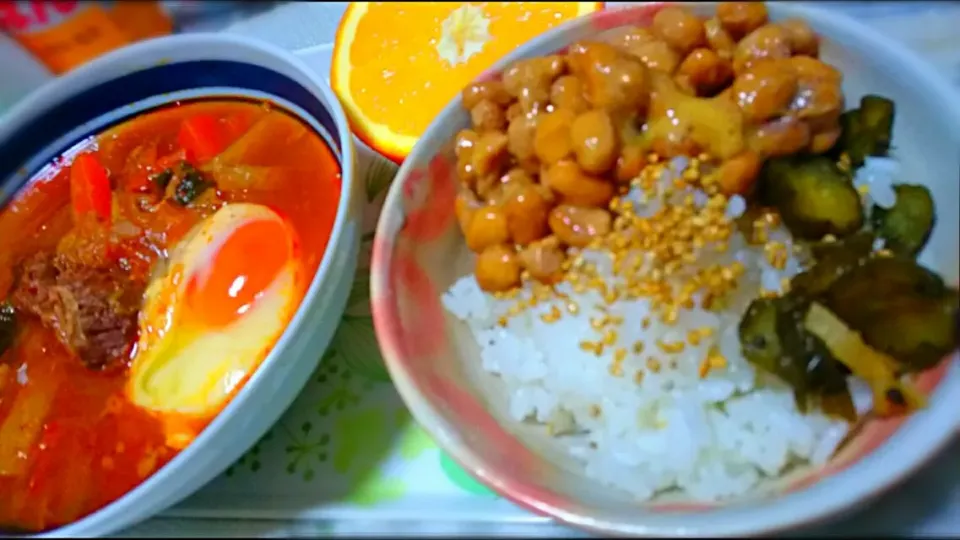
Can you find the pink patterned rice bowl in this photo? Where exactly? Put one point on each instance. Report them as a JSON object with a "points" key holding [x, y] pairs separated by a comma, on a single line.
{"points": [[471, 384]]}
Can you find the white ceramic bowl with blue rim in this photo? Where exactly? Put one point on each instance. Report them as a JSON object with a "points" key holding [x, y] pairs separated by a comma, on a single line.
{"points": [[138, 78]]}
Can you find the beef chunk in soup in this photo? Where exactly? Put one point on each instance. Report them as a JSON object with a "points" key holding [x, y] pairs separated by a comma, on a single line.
{"points": [[92, 310]]}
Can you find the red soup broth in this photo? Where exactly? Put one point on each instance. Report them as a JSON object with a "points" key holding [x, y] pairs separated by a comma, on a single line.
{"points": [[71, 441]]}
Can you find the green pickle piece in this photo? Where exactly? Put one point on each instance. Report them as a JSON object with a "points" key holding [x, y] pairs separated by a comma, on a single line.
{"points": [[900, 308], [813, 195], [833, 259], [773, 339], [866, 131], [905, 228]]}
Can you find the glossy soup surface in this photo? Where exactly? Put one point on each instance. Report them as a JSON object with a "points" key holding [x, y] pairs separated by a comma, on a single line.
{"points": [[93, 239]]}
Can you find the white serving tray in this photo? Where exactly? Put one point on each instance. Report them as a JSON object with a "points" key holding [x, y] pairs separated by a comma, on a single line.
{"points": [[347, 459]]}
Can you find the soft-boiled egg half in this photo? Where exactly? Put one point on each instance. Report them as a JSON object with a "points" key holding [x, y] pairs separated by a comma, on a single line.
{"points": [[212, 315]]}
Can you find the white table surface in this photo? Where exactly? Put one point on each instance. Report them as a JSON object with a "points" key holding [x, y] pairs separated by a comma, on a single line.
{"points": [[928, 504]]}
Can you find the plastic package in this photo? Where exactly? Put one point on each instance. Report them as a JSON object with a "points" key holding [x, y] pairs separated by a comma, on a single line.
{"points": [[63, 34]]}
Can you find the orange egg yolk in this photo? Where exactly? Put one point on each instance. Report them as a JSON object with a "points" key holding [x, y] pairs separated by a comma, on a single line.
{"points": [[242, 267]]}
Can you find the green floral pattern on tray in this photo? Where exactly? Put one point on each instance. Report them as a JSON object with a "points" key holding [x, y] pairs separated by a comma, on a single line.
{"points": [[347, 439], [462, 478]]}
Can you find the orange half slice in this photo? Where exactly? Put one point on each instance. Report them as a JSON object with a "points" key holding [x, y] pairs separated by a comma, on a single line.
{"points": [[397, 64]]}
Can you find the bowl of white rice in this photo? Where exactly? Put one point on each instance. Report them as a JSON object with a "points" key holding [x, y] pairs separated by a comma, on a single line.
{"points": [[623, 390]]}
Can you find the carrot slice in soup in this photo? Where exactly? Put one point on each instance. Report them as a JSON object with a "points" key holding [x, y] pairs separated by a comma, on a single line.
{"points": [[75, 472], [90, 187], [24, 423], [33, 505]]}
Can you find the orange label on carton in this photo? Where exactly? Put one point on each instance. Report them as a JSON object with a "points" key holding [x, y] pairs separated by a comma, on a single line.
{"points": [[66, 33]]}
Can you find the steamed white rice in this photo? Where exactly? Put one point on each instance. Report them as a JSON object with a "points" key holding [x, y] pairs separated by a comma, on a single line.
{"points": [[645, 430]]}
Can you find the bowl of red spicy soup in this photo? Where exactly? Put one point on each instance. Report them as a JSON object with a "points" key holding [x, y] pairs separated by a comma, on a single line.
{"points": [[179, 223]]}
